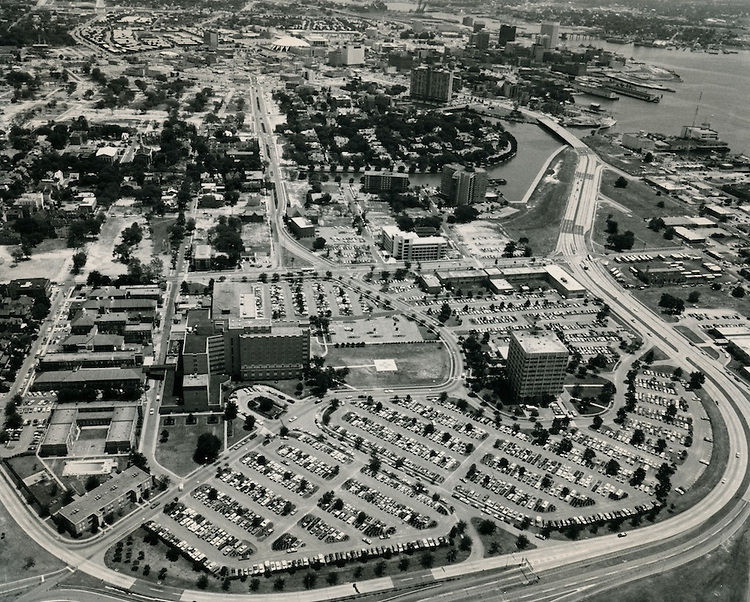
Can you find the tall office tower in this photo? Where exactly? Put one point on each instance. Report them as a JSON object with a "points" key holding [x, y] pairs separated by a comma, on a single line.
{"points": [[507, 34], [432, 84], [536, 365], [481, 40], [211, 38], [463, 185], [552, 31]]}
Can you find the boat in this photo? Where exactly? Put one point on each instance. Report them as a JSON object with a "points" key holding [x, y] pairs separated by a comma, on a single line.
{"points": [[618, 40], [641, 84], [595, 88], [631, 90]]}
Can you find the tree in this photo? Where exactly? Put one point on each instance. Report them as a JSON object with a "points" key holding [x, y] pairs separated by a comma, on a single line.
{"points": [[638, 475], [621, 182], [612, 467], [522, 542], [374, 464], [638, 437], [487, 527], [403, 564], [621, 242], [597, 422], [79, 260], [309, 580], [738, 292], [694, 297], [319, 243], [230, 411], [207, 449], [249, 422], [202, 582], [697, 379]]}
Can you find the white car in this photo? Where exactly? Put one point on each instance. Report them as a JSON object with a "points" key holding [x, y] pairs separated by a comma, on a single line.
{"points": [[151, 412]]}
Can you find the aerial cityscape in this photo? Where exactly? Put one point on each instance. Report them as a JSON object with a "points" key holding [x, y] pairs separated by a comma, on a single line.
{"points": [[356, 299]]}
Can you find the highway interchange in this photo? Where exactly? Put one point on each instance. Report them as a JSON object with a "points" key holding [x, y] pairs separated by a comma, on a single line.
{"points": [[609, 560]]}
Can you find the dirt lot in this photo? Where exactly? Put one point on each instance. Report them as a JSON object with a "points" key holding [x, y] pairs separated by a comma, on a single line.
{"points": [[100, 252]]}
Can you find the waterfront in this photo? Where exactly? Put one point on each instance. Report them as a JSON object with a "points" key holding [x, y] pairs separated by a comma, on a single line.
{"points": [[534, 147], [724, 80]]}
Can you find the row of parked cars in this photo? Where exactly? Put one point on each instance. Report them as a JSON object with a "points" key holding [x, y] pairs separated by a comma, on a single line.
{"points": [[416, 447], [386, 455], [233, 511], [317, 560], [429, 412]]}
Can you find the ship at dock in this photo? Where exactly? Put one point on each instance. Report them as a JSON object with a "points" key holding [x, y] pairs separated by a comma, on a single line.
{"points": [[594, 87], [632, 90]]}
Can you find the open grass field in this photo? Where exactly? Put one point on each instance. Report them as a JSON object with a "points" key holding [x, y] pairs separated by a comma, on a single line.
{"points": [[540, 221], [176, 453], [632, 207], [20, 556], [709, 298], [501, 541], [417, 363]]}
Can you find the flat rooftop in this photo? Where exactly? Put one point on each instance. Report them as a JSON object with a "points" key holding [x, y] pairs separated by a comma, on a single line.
{"points": [[539, 343]]}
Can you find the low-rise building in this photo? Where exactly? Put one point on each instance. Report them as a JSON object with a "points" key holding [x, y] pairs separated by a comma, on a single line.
{"points": [[409, 246], [301, 227], [659, 275], [91, 510], [384, 181]]}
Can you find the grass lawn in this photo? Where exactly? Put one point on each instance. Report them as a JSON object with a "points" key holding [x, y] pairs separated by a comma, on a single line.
{"points": [[501, 541], [176, 453], [640, 201], [540, 220], [659, 355], [20, 556], [161, 226], [719, 575], [417, 363], [709, 298], [180, 573], [689, 334]]}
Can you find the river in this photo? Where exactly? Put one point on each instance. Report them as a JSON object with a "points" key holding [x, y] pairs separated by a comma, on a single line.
{"points": [[534, 148]]}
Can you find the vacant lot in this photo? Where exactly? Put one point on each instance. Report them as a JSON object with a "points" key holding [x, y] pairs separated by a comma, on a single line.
{"points": [[632, 207], [417, 363], [540, 221], [176, 453], [708, 299]]}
